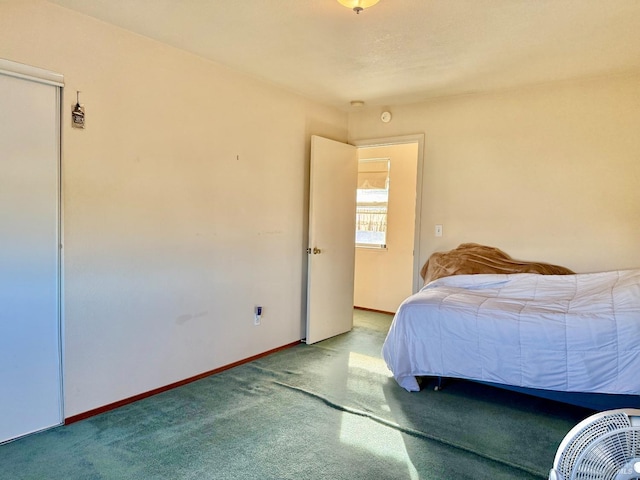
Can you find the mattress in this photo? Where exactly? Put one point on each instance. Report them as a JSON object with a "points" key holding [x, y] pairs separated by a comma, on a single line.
{"points": [[570, 333]]}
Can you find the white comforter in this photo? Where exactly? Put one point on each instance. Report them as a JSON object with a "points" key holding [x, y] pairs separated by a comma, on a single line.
{"points": [[576, 333]]}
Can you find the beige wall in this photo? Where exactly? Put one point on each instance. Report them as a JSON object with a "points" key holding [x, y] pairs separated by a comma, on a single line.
{"points": [[548, 173], [185, 197], [383, 277], [184, 205]]}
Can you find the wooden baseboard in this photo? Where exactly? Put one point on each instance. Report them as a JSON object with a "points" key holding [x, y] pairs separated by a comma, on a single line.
{"points": [[373, 310], [135, 398]]}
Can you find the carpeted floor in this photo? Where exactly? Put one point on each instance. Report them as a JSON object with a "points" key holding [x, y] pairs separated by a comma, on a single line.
{"points": [[324, 411]]}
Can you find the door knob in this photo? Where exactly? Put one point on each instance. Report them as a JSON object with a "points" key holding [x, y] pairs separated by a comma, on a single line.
{"points": [[316, 250]]}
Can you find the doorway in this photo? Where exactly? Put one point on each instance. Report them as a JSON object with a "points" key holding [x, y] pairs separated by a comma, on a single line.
{"points": [[331, 241], [386, 274]]}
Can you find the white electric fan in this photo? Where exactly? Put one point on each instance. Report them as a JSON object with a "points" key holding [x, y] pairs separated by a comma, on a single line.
{"points": [[604, 446]]}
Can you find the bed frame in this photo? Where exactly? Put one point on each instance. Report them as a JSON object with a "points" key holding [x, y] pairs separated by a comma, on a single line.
{"points": [[592, 401]]}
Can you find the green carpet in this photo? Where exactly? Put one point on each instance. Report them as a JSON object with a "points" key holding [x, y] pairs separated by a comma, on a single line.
{"points": [[324, 411]]}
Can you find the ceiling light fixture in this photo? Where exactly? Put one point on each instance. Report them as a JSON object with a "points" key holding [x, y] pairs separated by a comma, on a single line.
{"points": [[358, 5]]}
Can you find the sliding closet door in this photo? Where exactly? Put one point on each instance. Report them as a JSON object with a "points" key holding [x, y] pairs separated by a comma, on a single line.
{"points": [[30, 365]]}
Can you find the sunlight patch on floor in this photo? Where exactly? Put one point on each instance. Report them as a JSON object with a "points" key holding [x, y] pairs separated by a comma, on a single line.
{"points": [[369, 363], [378, 439], [364, 433]]}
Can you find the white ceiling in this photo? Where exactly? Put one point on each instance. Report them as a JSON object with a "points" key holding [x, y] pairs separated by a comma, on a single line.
{"points": [[399, 51]]}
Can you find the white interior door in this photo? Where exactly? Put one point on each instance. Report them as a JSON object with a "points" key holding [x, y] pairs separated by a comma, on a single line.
{"points": [[331, 254], [30, 365]]}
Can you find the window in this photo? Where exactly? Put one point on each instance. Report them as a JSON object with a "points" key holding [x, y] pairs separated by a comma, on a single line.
{"points": [[372, 201]]}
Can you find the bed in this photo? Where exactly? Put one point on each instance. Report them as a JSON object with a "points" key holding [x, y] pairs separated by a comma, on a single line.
{"points": [[565, 336]]}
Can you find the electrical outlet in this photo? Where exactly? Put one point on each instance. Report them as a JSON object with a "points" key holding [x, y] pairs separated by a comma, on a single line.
{"points": [[257, 316]]}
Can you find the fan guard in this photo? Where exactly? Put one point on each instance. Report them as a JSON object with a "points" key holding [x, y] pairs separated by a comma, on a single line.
{"points": [[604, 446]]}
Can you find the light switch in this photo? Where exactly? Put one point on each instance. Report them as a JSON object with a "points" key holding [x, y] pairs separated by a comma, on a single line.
{"points": [[438, 230]]}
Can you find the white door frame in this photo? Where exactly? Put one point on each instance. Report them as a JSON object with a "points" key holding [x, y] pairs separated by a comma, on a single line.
{"points": [[399, 140]]}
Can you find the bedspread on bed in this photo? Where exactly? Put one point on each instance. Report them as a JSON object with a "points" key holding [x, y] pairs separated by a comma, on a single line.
{"points": [[576, 333], [471, 258]]}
